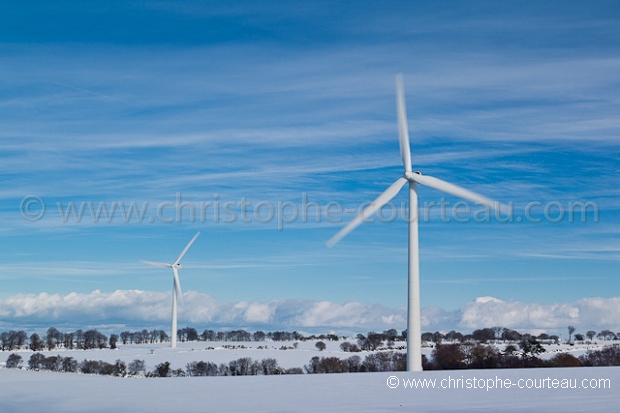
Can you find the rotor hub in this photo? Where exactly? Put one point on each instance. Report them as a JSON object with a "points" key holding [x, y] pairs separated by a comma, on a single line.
{"points": [[410, 175]]}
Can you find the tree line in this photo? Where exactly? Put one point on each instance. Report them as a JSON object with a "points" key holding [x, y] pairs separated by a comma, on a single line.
{"points": [[93, 339], [526, 354], [444, 357], [496, 334], [244, 366], [39, 362], [90, 339]]}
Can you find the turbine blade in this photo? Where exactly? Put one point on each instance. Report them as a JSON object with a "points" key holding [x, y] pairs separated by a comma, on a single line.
{"points": [[186, 248], [383, 199], [403, 130], [456, 190], [177, 285], [157, 264]]}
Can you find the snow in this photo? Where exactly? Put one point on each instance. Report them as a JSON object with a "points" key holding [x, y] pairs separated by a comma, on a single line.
{"points": [[221, 352], [26, 391], [216, 352]]}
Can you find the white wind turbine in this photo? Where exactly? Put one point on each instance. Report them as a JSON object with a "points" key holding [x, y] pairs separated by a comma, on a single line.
{"points": [[176, 290], [414, 341]]}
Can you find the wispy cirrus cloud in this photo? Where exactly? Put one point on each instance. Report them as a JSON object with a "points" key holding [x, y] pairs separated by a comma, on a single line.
{"points": [[517, 103]]}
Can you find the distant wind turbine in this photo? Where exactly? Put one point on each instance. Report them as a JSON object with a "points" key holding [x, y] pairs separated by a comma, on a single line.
{"points": [[176, 290], [414, 341]]}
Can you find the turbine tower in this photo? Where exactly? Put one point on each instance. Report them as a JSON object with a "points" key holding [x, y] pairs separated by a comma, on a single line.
{"points": [[414, 341], [176, 287]]}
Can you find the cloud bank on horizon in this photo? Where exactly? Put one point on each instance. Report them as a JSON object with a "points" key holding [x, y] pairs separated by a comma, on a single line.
{"points": [[143, 309]]}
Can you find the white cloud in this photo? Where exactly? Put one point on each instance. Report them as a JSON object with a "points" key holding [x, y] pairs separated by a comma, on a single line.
{"points": [[590, 313], [135, 307], [140, 308], [351, 314]]}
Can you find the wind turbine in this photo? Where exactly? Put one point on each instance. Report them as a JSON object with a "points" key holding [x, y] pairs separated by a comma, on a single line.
{"points": [[414, 341], [176, 287]]}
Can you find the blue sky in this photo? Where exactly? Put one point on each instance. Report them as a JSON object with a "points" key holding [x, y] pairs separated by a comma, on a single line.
{"points": [[270, 103]]}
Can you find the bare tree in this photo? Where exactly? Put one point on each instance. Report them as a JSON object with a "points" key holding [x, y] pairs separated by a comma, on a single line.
{"points": [[353, 364], [36, 344], [4, 340], [52, 338], [201, 368], [438, 337], [94, 339], [68, 341], [448, 356], [79, 339], [510, 335], [270, 366], [113, 341], [484, 335], [208, 335], [125, 337], [349, 347], [246, 367], [17, 339], [69, 365], [608, 356], [136, 367], [35, 361], [320, 345], [606, 335], [372, 342], [13, 361], [162, 370], [455, 336]]}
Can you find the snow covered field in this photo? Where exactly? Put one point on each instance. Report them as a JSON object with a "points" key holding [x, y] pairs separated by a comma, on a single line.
{"points": [[27, 391], [215, 352], [220, 352]]}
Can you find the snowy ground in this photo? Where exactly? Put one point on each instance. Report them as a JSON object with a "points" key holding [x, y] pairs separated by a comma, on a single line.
{"points": [[216, 352], [27, 391]]}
